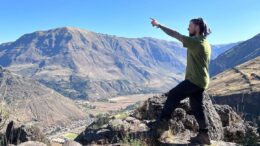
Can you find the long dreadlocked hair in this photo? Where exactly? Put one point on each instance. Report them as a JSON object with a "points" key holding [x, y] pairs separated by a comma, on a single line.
{"points": [[204, 29]]}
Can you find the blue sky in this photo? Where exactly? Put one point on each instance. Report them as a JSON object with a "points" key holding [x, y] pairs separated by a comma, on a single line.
{"points": [[230, 20]]}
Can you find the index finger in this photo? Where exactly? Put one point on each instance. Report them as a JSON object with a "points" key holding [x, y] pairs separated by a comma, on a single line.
{"points": [[152, 18]]}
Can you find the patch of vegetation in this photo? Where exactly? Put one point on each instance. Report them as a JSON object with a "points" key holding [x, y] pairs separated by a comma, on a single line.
{"points": [[121, 115], [112, 101], [133, 106], [129, 141], [101, 119], [70, 136], [103, 100], [4, 115], [89, 106]]}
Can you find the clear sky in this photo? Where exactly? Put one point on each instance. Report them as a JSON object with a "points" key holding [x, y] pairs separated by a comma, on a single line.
{"points": [[230, 20]]}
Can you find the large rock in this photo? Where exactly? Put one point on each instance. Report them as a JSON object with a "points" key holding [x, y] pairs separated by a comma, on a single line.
{"points": [[225, 125], [16, 134], [111, 131], [227, 114], [236, 129], [182, 118]]}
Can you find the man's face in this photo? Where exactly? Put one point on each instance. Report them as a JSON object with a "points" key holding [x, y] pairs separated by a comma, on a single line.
{"points": [[193, 29]]}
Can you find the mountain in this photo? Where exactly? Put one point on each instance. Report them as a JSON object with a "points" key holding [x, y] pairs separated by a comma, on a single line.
{"points": [[30, 102], [239, 87], [83, 64], [221, 48], [80, 63], [238, 54]]}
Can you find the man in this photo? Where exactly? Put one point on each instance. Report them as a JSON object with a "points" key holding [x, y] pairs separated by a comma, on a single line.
{"points": [[196, 78]]}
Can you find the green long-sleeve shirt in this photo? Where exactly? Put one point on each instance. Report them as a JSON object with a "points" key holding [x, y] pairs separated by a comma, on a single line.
{"points": [[198, 57]]}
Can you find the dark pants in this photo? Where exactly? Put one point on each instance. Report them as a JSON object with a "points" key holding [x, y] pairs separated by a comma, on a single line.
{"points": [[180, 92]]}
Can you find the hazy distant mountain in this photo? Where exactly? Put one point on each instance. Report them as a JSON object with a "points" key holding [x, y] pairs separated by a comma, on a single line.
{"points": [[240, 53], [29, 101], [81, 63]]}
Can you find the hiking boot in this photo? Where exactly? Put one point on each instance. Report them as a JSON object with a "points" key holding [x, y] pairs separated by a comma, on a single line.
{"points": [[158, 128], [201, 138]]}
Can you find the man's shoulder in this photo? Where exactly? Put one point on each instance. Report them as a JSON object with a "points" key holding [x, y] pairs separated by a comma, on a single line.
{"points": [[206, 42]]}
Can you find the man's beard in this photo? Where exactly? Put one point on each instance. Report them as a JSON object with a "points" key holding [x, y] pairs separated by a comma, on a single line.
{"points": [[192, 34]]}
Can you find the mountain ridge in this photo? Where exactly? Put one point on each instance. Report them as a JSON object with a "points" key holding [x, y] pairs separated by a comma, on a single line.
{"points": [[83, 64], [236, 55], [68, 53], [31, 102]]}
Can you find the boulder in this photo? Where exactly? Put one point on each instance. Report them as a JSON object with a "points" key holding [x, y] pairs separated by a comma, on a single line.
{"points": [[227, 114], [113, 131], [16, 134], [182, 118], [236, 129]]}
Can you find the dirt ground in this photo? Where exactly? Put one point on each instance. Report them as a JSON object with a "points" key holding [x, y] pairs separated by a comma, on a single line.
{"points": [[115, 103]]}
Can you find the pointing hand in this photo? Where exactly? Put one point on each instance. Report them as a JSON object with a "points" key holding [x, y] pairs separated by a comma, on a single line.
{"points": [[154, 22]]}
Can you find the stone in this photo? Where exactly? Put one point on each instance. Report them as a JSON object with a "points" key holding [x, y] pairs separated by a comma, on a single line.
{"points": [[32, 143], [116, 128], [153, 106], [16, 133], [227, 114]]}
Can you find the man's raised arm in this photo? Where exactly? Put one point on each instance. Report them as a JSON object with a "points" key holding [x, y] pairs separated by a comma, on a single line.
{"points": [[168, 31], [171, 32]]}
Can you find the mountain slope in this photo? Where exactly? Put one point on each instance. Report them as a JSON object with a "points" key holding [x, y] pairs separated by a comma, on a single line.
{"points": [[29, 101], [238, 54], [221, 48], [239, 87], [84, 64]]}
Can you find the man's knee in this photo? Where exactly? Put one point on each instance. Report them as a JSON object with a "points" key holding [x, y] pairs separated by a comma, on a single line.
{"points": [[175, 96], [196, 104], [177, 91]]}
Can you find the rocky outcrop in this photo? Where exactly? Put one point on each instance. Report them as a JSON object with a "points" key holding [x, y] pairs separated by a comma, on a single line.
{"points": [[182, 117], [16, 134], [112, 130], [235, 129], [225, 125]]}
